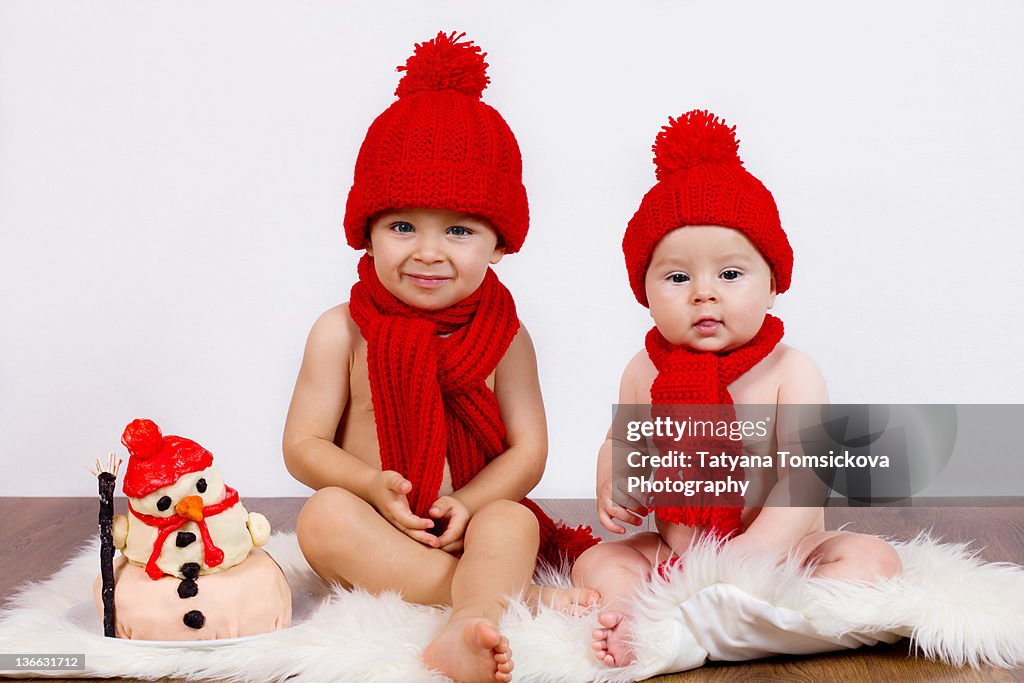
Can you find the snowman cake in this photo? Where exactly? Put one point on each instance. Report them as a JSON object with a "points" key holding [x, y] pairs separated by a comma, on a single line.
{"points": [[191, 567]]}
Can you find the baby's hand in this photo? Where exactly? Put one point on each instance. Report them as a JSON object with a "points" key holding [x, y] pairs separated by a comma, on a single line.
{"points": [[452, 516], [388, 494], [608, 510]]}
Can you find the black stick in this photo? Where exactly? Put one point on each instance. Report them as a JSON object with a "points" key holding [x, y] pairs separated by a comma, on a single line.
{"points": [[106, 524]]}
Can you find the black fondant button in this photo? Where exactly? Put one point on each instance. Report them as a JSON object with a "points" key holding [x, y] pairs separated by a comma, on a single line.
{"points": [[190, 570], [184, 538], [194, 619], [188, 589]]}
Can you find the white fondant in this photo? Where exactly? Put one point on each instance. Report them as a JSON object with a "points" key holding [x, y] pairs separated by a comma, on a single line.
{"points": [[228, 529], [119, 531], [259, 529]]}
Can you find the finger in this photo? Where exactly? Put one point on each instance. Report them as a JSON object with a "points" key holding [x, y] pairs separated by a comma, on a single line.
{"points": [[623, 515], [453, 533], [608, 524], [638, 508], [454, 547], [399, 484], [422, 537], [403, 516], [440, 508]]}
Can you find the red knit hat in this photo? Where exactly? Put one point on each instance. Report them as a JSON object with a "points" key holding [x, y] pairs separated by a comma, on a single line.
{"points": [[157, 460], [701, 181], [440, 147]]}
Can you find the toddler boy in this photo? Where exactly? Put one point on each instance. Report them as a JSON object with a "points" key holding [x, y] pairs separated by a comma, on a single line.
{"points": [[707, 254], [417, 413]]}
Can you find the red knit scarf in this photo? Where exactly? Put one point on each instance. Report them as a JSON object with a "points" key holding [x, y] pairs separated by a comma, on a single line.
{"points": [[212, 555], [687, 378], [428, 372]]}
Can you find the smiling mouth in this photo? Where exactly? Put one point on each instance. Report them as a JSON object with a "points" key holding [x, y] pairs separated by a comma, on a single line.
{"points": [[707, 326], [427, 281]]}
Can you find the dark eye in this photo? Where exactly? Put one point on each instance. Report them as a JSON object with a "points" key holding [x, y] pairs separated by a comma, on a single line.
{"points": [[201, 486], [403, 227], [459, 231], [163, 503], [679, 278], [730, 274]]}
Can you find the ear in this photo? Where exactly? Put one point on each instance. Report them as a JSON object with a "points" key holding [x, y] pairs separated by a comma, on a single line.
{"points": [[499, 251], [773, 293], [369, 247]]}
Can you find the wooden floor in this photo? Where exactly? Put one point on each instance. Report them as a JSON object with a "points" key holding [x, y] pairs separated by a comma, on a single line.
{"points": [[38, 534]]}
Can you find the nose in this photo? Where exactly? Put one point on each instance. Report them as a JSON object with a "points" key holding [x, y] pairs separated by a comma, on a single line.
{"points": [[428, 249], [190, 507], [703, 293]]}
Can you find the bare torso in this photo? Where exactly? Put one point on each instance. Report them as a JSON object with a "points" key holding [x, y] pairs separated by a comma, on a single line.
{"points": [[357, 430], [761, 386]]}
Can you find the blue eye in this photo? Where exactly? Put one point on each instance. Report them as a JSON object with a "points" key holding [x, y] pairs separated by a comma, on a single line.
{"points": [[679, 278], [731, 274], [403, 227], [459, 231]]}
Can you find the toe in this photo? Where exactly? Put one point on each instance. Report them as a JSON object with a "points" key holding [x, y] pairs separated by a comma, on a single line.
{"points": [[609, 619], [488, 637]]}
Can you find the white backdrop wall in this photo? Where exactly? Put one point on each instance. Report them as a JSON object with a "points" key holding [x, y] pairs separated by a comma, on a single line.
{"points": [[173, 178]]}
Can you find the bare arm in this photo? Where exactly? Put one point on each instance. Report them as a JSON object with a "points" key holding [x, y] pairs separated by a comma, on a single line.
{"points": [[778, 524], [609, 511], [318, 404], [514, 473]]}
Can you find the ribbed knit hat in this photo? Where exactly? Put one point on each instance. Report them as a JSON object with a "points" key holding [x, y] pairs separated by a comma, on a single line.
{"points": [[440, 147], [156, 460], [701, 181]]}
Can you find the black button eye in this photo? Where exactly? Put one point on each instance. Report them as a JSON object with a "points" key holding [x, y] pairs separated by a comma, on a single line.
{"points": [[163, 503], [201, 486]]}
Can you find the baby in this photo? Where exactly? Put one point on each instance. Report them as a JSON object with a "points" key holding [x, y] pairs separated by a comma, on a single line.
{"points": [[707, 254], [417, 413]]}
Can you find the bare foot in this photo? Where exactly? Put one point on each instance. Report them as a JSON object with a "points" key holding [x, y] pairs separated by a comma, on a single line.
{"points": [[471, 650], [611, 644], [568, 600]]}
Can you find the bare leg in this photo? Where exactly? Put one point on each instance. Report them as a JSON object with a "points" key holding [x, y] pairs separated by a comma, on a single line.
{"points": [[500, 551], [335, 529], [848, 556], [569, 600], [616, 569]]}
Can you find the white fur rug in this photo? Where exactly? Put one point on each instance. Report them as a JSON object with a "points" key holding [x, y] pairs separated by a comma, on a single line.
{"points": [[954, 607]]}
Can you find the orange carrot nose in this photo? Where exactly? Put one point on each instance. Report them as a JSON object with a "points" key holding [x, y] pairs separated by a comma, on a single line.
{"points": [[190, 507]]}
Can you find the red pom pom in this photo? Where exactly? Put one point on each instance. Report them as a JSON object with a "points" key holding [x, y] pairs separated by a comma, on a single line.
{"points": [[445, 64], [697, 137], [142, 438]]}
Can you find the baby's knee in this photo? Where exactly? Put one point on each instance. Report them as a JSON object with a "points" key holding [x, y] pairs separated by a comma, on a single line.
{"points": [[508, 520], [859, 557], [328, 515], [506, 513], [881, 559], [589, 563]]}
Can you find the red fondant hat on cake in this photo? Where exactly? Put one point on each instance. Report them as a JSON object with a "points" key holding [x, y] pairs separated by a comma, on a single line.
{"points": [[439, 146], [702, 181], [156, 460]]}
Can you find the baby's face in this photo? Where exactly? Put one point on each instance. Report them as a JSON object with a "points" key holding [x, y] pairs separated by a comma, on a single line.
{"points": [[432, 258], [708, 288]]}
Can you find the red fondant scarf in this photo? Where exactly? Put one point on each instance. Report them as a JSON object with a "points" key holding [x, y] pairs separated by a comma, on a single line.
{"points": [[687, 378], [212, 555], [428, 372]]}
